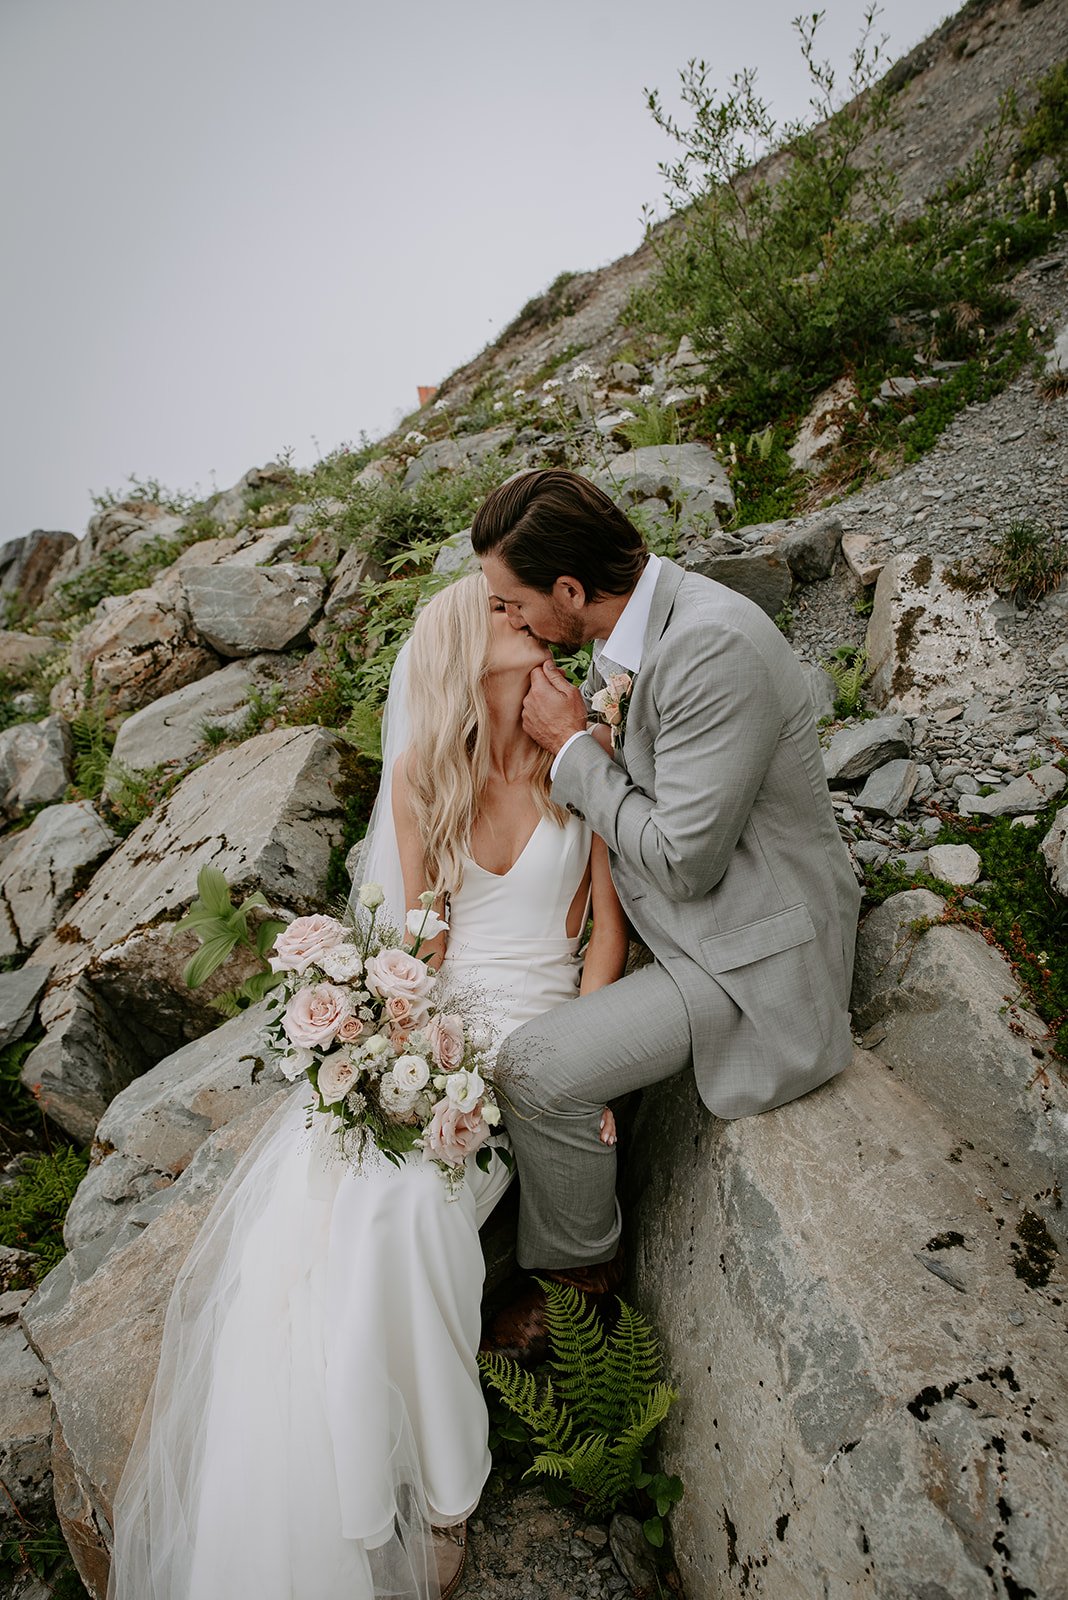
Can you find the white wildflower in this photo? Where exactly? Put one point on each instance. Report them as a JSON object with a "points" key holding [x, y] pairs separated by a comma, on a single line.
{"points": [[646, 391], [519, 394], [441, 405], [413, 436], [552, 383], [498, 405], [583, 373]]}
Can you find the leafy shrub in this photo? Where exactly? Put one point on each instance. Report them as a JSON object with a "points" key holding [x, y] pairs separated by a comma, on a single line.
{"points": [[652, 424], [595, 1414], [1027, 561], [787, 274], [34, 1204]]}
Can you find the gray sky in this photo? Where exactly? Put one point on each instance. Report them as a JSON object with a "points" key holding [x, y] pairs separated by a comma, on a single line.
{"points": [[233, 226]]}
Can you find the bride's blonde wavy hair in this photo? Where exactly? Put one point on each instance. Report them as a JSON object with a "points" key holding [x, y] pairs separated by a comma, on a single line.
{"points": [[448, 759]]}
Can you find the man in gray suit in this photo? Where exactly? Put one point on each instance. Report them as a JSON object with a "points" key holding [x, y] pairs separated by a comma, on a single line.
{"points": [[723, 845]]}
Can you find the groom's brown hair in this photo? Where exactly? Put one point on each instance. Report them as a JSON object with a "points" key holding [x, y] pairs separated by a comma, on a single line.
{"points": [[546, 524]]}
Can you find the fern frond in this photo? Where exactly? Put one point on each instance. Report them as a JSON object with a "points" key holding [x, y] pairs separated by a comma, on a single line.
{"points": [[629, 1368], [577, 1341]]}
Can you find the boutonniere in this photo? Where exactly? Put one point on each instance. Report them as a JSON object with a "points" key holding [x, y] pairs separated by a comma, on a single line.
{"points": [[612, 703]]}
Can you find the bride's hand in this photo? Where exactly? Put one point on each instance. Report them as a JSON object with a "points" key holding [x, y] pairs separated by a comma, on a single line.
{"points": [[608, 1126]]}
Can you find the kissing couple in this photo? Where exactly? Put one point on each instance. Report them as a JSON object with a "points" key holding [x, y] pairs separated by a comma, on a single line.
{"points": [[316, 1429]]}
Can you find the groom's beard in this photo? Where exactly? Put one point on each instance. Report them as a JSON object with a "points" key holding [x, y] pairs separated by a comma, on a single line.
{"points": [[568, 631]]}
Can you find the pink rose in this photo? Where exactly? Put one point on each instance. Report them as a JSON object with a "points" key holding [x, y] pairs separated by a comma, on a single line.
{"points": [[350, 1029], [336, 1077], [404, 1013], [446, 1034], [299, 946], [314, 1015], [619, 685], [452, 1134], [396, 975]]}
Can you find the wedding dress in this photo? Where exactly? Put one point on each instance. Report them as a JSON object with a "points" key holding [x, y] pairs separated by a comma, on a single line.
{"points": [[317, 1400]]}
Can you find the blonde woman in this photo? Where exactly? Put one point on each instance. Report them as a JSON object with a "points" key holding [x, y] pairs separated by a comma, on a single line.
{"points": [[317, 1430]]}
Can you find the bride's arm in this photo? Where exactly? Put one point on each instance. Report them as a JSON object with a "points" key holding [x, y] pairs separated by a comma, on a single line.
{"points": [[606, 955], [411, 859]]}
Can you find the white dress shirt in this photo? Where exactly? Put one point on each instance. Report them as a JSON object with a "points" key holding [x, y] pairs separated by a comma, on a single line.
{"points": [[624, 645]]}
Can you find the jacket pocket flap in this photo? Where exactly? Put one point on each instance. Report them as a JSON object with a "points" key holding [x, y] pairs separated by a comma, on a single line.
{"points": [[738, 946]]}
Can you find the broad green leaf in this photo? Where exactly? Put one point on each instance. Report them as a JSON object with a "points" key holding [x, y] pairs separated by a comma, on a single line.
{"points": [[653, 1530], [214, 891], [266, 934], [210, 956]]}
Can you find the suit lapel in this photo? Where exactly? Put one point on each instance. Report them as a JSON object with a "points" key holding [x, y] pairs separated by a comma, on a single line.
{"points": [[668, 582]]}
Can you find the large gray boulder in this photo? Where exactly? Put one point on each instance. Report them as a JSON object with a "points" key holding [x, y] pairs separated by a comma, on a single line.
{"points": [[1029, 792], [943, 1009], [27, 564], [872, 1400], [152, 1129], [241, 611], [25, 1424], [34, 764], [138, 646], [20, 991], [1055, 851], [20, 651], [170, 731], [762, 575], [855, 751], [689, 478], [127, 527], [456, 453], [267, 814], [99, 1340], [932, 642], [50, 861], [811, 548]]}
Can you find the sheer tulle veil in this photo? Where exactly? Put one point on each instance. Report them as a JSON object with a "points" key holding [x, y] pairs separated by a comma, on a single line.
{"points": [[262, 1417]]}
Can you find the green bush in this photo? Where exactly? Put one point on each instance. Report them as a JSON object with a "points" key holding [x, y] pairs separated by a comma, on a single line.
{"points": [[788, 274], [34, 1204]]}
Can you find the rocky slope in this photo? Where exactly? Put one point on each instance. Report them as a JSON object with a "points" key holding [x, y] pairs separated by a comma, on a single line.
{"points": [[861, 1295]]}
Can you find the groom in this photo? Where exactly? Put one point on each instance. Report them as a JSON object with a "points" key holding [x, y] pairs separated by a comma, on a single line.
{"points": [[723, 844]]}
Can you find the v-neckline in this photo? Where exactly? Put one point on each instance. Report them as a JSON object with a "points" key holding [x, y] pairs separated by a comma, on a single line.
{"points": [[500, 876]]}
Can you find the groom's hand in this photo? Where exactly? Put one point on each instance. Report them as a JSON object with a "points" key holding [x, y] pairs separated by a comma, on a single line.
{"points": [[553, 709]]}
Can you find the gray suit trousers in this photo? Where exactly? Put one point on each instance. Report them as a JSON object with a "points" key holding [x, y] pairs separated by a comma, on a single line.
{"points": [[558, 1072]]}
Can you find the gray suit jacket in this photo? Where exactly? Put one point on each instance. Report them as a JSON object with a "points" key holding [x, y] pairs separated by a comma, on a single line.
{"points": [[724, 845]]}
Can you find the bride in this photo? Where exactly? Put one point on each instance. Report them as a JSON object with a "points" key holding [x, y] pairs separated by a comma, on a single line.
{"points": [[316, 1430]]}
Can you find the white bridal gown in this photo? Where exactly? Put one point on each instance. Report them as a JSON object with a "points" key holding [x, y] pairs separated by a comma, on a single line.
{"points": [[317, 1397]]}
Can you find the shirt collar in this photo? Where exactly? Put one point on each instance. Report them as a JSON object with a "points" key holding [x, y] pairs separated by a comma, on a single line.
{"points": [[625, 643]]}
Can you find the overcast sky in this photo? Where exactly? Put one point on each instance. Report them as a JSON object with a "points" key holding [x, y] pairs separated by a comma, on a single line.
{"points": [[236, 226]]}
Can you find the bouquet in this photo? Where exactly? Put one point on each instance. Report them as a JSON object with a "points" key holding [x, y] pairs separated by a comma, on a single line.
{"points": [[354, 1013]]}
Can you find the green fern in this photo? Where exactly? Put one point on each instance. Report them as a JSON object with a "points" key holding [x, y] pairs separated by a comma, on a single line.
{"points": [[32, 1208], [592, 1418], [92, 742], [848, 667]]}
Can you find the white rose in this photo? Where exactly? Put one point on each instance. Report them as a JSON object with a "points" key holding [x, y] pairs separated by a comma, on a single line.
{"points": [[464, 1090], [395, 1100], [411, 1072], [336, 1077], [342, 964], [375, 1045], [371, 896], [296, 1062], [304, 942], [491, 1113], [425, 924], [397, 974]]}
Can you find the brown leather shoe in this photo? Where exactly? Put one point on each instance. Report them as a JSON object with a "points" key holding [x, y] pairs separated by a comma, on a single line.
{"points": [[520, 1332], [450, 1553]]}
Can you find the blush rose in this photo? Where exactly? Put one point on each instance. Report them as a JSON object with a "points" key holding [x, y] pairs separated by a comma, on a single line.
{"points": [[453, 1134], [314, 1015]]}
